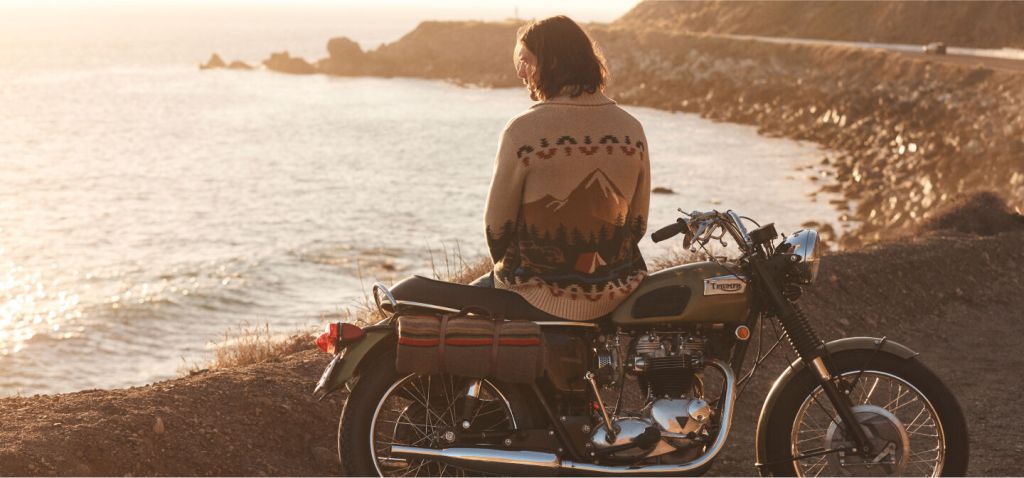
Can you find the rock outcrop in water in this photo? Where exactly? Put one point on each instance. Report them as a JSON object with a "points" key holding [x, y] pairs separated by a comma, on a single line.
{"points": [[467, 53], [285, 63], [346, 58], [216, 62], [239, 65]]}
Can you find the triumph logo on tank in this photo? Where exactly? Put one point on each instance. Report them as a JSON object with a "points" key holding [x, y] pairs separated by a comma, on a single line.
{"points": [[724, 285]]}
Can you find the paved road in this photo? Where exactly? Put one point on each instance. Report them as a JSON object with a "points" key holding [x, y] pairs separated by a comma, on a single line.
{"points": [[1001, 59]]}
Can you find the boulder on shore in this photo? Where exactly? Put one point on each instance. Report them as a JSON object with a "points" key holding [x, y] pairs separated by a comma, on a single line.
{"points": [[285, 63]]}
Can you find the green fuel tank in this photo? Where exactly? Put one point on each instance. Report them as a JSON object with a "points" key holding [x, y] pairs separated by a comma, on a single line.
{"points": [[696, 293]]}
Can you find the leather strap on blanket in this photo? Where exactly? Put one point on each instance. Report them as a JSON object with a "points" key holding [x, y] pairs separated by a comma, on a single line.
{"points": [[441, 341], [493, 365]]}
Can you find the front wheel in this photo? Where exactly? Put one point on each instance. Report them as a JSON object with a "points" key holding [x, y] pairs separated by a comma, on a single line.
{"points": [[387, 408], [914, 423]]}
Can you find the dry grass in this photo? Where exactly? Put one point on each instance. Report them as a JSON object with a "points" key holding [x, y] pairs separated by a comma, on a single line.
{"points": [[250, 345], [455, 268], [256, 345]]}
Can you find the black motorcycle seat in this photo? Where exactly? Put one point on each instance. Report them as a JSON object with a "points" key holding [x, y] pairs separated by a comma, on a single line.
{"points": [[498, 302]]}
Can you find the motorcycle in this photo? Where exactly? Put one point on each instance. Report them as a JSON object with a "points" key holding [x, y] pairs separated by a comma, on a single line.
{"points": [[854, 406]]}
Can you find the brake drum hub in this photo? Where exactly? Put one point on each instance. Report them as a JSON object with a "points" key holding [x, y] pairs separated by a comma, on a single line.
{"points": [[889, 439]]}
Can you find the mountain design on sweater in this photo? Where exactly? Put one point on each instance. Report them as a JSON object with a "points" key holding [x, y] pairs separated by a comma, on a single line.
{"points": [[595, 203], [583, 239]]}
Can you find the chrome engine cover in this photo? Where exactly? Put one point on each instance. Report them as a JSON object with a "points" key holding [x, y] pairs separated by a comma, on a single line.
{"points": [[628, 437], [680, 416]]}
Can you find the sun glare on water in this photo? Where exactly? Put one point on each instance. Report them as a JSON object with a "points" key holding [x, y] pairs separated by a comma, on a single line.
{"points": [[31, 306]]}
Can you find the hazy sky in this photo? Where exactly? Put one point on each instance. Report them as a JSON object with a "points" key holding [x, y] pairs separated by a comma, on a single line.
{"points": [[582, 10]]}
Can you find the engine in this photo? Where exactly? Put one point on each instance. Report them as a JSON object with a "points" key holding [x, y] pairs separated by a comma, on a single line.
{"points": [[668, 368]]}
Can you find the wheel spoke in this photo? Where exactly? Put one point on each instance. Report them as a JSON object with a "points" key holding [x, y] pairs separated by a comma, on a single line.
{"points": [[867, 398], [816, 437], [822, 460], [429, 380], [908, 402], [913, 422], [417, 429]]}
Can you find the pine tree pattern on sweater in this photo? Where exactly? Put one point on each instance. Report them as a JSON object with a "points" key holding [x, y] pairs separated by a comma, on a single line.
{"points": [[568, 205]]}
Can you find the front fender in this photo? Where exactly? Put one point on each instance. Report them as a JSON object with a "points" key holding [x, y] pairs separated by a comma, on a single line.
{"points": [[833, 347], [345, 364]]}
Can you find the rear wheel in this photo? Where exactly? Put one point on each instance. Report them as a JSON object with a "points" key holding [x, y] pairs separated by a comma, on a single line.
{"points": [[914, 423], [387, 408]]}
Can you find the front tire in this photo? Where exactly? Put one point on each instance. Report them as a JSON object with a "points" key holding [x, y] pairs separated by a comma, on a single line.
{"points": [[911, 417], [419, 408]]}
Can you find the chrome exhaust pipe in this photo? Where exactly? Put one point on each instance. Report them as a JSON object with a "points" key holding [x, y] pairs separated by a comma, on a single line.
{"points": [[488, 460], [514, 462]]}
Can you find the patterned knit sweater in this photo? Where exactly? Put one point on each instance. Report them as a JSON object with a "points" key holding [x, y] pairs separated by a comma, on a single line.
{"points": [[568, 205]]}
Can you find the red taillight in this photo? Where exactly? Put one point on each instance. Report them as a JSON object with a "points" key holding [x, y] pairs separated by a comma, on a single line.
{"points": [[337, 334], [350, 333], [328, 340]]}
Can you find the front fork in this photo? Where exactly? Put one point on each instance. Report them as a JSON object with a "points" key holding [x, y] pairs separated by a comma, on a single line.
{"points": [[811, 349]]}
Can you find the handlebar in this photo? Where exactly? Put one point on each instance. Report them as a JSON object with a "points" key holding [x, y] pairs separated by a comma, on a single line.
{"points": [[701, 227], [670, 230]]}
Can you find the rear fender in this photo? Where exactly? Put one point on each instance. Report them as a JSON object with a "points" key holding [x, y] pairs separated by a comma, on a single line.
{"points": [[348, 362], [794, 369]]}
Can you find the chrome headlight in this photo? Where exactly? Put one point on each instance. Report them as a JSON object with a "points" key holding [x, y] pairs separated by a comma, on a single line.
{"points": [[805, 243]]}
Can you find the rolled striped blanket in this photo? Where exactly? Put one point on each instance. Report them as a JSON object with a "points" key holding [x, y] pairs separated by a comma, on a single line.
{"points": [[469, 346]]}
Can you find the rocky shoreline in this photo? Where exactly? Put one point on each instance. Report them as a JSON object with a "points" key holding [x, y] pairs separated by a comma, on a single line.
{"points": [[908, 133]]}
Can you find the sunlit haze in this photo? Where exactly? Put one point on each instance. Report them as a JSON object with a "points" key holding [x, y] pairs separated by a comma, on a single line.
{"points": [[309, 22], [342, 13]]}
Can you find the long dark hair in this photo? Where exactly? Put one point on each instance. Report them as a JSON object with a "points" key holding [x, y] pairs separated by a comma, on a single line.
{"points": [[568, 61]]}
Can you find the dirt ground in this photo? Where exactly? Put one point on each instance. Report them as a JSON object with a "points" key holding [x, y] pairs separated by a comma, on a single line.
{"points": [[951, 294]]}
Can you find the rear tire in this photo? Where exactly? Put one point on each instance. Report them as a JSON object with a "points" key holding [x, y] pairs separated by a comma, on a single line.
{"points": [[354, 428], [908, 413]]}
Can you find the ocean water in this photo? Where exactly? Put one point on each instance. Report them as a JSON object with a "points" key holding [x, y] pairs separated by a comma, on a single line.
{"points": [[146, 207]]}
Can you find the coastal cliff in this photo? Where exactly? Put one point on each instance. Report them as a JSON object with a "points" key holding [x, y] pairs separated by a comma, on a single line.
{"points": [[880, 21]]}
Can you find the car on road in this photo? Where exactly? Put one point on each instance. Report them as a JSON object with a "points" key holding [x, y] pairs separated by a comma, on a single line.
{"points": [[935, 48]]}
